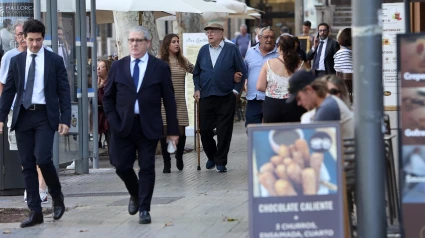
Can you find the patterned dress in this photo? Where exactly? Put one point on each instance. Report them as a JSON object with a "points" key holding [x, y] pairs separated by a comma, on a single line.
{"points": [[178, 75]]}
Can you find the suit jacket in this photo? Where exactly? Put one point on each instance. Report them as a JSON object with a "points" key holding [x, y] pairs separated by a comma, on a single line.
{"points": [[56, 89], [120, 97], [331, 48]]}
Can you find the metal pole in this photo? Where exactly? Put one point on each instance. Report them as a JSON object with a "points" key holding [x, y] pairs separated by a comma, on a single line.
{"points": [[37, 9], [54, 33], [94, 85], [370, 173], [407, 15], [82, 165]]}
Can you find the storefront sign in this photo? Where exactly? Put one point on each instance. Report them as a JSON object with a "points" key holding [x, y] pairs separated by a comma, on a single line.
{"points": [[393, 23], [411, 67], [295, 181]]}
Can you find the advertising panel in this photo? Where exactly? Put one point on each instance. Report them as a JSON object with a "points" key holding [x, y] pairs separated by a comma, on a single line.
{"points": [[295, 180]]}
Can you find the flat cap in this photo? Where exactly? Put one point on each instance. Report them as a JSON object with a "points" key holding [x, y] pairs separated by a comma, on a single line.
{"points": [[214, 26]]}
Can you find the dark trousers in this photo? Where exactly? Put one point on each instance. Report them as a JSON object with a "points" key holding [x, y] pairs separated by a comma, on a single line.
{"points": [[254, 112], [34, 137], [320, 73], [217, 112], [123, 154]]}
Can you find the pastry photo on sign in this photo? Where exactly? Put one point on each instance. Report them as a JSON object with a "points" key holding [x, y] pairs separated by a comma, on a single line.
{"points": [[295, 164]]}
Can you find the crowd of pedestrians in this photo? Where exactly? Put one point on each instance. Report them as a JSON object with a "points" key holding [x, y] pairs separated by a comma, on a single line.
{"points": [[141, 100]]}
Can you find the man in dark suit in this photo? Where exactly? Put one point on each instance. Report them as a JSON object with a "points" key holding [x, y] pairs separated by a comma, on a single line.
{"points": [[43, 105], [323, 52], [132, 103]]}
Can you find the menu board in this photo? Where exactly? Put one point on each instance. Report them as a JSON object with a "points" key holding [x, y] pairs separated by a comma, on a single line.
{"points": [[192, 43], [411, 65], [295, 180], [392, 24]]}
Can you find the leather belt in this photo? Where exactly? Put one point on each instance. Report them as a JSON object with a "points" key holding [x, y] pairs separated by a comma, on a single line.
{"points": [[35, 107]]}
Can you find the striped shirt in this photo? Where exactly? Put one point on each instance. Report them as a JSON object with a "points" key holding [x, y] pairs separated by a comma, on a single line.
{"points": [[343, 59]]}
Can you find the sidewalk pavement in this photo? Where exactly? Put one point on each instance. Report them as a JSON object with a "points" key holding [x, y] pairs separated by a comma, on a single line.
{"points": [[189, 203]]}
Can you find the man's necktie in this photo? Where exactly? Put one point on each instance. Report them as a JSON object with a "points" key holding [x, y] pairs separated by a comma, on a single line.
{"points": [[317, 58], [136, 73], [30, 84]]}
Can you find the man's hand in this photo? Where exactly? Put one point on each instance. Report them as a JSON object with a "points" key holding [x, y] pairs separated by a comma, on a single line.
{"points": [[237, 77], [174, 139], [63, 129], [197, 95], [1, 127]]}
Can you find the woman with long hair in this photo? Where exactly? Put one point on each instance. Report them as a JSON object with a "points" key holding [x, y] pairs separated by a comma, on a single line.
{"points": [[170, 52], [103, 67], [273, 80]]}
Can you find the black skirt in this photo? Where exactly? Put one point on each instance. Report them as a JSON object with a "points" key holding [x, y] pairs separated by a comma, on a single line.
{"points": [[277, 110]]}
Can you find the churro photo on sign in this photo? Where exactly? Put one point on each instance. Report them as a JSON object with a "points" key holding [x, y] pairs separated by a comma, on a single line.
{"points": [[294, 162]]}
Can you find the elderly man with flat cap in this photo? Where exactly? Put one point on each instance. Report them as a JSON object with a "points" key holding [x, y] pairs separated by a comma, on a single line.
{"points": [[216, 87]]}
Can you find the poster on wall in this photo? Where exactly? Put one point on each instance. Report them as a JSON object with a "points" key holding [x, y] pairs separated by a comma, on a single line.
{"points": [[411, 67], [192, 43], [310, 11], [393, 23], [10, 12], [295, 180]]}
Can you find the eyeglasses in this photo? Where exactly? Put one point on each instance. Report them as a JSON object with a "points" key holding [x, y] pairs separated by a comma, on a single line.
{"points": [[212, 32], [334, 91], [267, 37], [138, 41], [325, 30]]}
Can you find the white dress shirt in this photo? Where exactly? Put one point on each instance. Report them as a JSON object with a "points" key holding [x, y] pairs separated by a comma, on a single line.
{"points": [[142, 69], [38, 91], [322, 55]]}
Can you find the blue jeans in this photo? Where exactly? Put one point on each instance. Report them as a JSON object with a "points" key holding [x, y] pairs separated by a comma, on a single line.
{"points": [[254, 112]]}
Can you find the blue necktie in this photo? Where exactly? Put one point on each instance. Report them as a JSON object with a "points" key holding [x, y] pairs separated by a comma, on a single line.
{"points": [[30, 84], [317, 58], [136, 73]]}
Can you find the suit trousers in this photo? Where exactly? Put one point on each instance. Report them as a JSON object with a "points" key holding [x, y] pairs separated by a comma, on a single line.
{"points": [[217, 112], [34, 137], [123, 155]]}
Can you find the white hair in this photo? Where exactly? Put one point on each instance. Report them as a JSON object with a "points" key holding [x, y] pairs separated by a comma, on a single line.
{"points": [[142, 29], [19, 22]]}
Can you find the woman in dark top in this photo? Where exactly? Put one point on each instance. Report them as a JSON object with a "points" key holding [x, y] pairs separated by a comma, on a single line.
{"points": [[103, 67]]}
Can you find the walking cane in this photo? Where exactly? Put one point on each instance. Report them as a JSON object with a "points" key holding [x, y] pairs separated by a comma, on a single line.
{"points": [[198, 135]]}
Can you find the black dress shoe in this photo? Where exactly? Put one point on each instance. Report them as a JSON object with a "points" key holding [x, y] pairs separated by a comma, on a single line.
{"points": [[58, 207], [167, 166], [133, 205], [144, 217], [33, 219]]}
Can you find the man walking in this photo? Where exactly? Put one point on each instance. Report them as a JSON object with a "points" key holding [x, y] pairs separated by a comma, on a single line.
{"points": [[323, 52], [216, 91], [254, 61], [132, 103], [42, 106], [243, 41]]}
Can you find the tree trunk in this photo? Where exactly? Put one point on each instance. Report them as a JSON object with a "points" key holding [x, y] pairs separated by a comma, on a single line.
{"points": [[148, 21], [189, 23], [123, 22]]}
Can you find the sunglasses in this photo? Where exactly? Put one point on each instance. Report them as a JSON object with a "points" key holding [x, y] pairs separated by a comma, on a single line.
{"points": [[334, 91]]}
